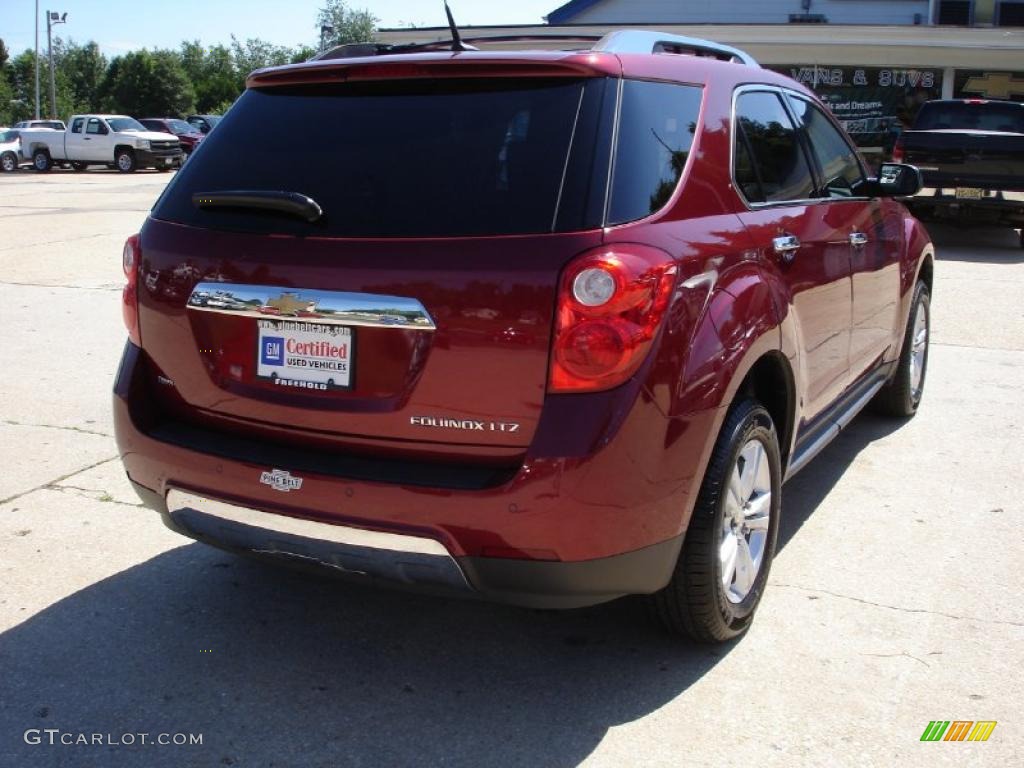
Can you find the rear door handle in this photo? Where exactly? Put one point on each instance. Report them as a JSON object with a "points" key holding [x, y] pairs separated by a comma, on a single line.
{"points": [[858, 239], [786, 246]]}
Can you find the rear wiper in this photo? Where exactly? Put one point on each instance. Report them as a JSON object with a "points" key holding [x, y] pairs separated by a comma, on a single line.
{"points": [[292, 203]]}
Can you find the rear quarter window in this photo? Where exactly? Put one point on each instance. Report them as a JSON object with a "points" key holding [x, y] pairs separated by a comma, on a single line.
{"points": [[657, 125]]}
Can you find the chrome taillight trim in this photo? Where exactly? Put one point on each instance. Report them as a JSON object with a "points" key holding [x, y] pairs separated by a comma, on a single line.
{"points": [[267, 302]]}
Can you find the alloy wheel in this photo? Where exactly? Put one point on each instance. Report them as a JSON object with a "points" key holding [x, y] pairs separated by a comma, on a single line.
{"points": [[744, 534]]}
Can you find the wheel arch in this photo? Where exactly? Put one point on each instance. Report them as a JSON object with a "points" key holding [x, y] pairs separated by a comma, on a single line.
{"points": [[771, 382]]}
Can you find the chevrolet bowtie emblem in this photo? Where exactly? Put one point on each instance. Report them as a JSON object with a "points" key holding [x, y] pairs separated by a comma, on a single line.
{"points": [[291, 304]]}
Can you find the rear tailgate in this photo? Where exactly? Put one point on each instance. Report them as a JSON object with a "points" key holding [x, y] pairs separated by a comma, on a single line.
{"points": [[957, 158], [477, 377], [418, 309]]}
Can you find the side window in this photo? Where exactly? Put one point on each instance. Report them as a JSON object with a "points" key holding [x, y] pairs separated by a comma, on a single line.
{"points": [[841, 172], [657, 124], [76, 126], [775, 155], [93, 126]]}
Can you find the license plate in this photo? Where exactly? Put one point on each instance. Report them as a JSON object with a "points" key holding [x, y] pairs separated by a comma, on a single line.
{"points": [[302, 355], [969, 193]]}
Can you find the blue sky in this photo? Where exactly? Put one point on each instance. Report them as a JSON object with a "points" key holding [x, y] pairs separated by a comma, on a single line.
{"points": [[123, 25]]}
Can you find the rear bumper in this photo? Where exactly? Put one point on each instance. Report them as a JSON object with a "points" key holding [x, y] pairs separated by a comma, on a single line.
{"points": [[411, 562], [997, 205], [562, 533]]}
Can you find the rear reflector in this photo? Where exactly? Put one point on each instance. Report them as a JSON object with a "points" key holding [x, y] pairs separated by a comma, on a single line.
{"points": [[130, 295]]}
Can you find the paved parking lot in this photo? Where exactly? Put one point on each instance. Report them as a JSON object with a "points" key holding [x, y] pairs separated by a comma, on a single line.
{"points": [[894, 599]]}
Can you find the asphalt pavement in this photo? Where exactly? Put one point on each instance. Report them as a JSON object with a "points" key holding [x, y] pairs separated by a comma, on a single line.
{"points": [[893, 601]]}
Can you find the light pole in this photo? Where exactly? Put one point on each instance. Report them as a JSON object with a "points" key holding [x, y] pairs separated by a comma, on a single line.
{"points": [[53, 18], [37, 59]]}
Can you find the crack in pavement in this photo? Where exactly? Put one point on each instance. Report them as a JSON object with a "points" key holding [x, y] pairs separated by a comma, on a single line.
{"points": [[43, 486], [974, 346], [93, 494], [65, 241], [109, 287], [56, 426], [896, 656], [897, 607]]}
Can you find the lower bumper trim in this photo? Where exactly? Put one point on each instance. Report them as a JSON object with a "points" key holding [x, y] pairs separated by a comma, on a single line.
{"points": [[389, 557]]}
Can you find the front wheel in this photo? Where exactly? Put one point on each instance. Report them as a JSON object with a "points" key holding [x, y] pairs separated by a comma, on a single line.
{"points": [[125, 161], [902, 395], [8, 162], [729, 546]]}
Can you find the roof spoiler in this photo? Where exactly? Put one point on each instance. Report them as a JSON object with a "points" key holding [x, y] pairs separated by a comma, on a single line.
{"points": [[621, 41]]}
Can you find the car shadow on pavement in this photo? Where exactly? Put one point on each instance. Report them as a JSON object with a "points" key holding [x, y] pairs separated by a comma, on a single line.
{"points": [[975, 244], [805, 493], [275, 667], [279, 668]]}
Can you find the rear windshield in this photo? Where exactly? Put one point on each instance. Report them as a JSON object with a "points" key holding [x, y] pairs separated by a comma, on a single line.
{"points": [[406, 158], [983, 116]]}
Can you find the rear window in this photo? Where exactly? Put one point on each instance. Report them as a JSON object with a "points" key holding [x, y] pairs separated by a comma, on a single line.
{"points": [[401, 158], [984, 116]]}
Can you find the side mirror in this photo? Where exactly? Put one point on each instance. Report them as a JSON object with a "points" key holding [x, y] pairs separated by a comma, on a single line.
{"points": [[897, 180]]}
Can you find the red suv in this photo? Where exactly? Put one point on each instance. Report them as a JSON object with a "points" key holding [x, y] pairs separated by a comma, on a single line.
{"points": [[189, 136], [547, 328]]}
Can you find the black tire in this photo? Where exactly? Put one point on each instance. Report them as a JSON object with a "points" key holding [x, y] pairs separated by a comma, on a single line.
{"points": [[41, 161], [695, 602], [8, 162], [898, 397], [79, 166], [124, 161]]}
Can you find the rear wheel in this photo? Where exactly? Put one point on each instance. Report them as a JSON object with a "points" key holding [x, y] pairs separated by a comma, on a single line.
{"points": [[729, 546], [125, 161], [902, 394], [8, 162], [41, 161]]}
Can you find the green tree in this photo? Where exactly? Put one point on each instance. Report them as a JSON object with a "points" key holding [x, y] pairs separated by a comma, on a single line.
{"points": [[256, 54], [148, 84], [82, 68], [350, 26], [212, 73]]}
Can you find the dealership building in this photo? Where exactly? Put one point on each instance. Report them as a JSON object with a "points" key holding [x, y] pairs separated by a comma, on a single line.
{"points": [[873, 61]]}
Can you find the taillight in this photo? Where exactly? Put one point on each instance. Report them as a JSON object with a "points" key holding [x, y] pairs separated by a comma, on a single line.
{"points": [[897, 151], [610, 305], [130, 296]]}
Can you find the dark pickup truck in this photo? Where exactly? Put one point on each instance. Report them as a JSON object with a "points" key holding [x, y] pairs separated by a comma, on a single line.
{"points": [[971, 155]]}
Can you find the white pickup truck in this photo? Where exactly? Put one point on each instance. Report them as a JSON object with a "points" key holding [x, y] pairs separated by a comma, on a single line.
{"points": [[116, 141]]}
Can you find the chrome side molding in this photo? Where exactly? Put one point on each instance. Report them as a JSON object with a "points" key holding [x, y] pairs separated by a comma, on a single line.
{"points": [[326, 307]]}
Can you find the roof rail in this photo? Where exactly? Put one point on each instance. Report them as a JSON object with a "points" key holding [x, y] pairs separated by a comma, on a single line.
{"points": [[622, 41], [643, 41], [355, 50]]}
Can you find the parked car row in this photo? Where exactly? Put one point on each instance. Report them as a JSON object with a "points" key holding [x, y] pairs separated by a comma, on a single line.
{"points": [[115, 141]]}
